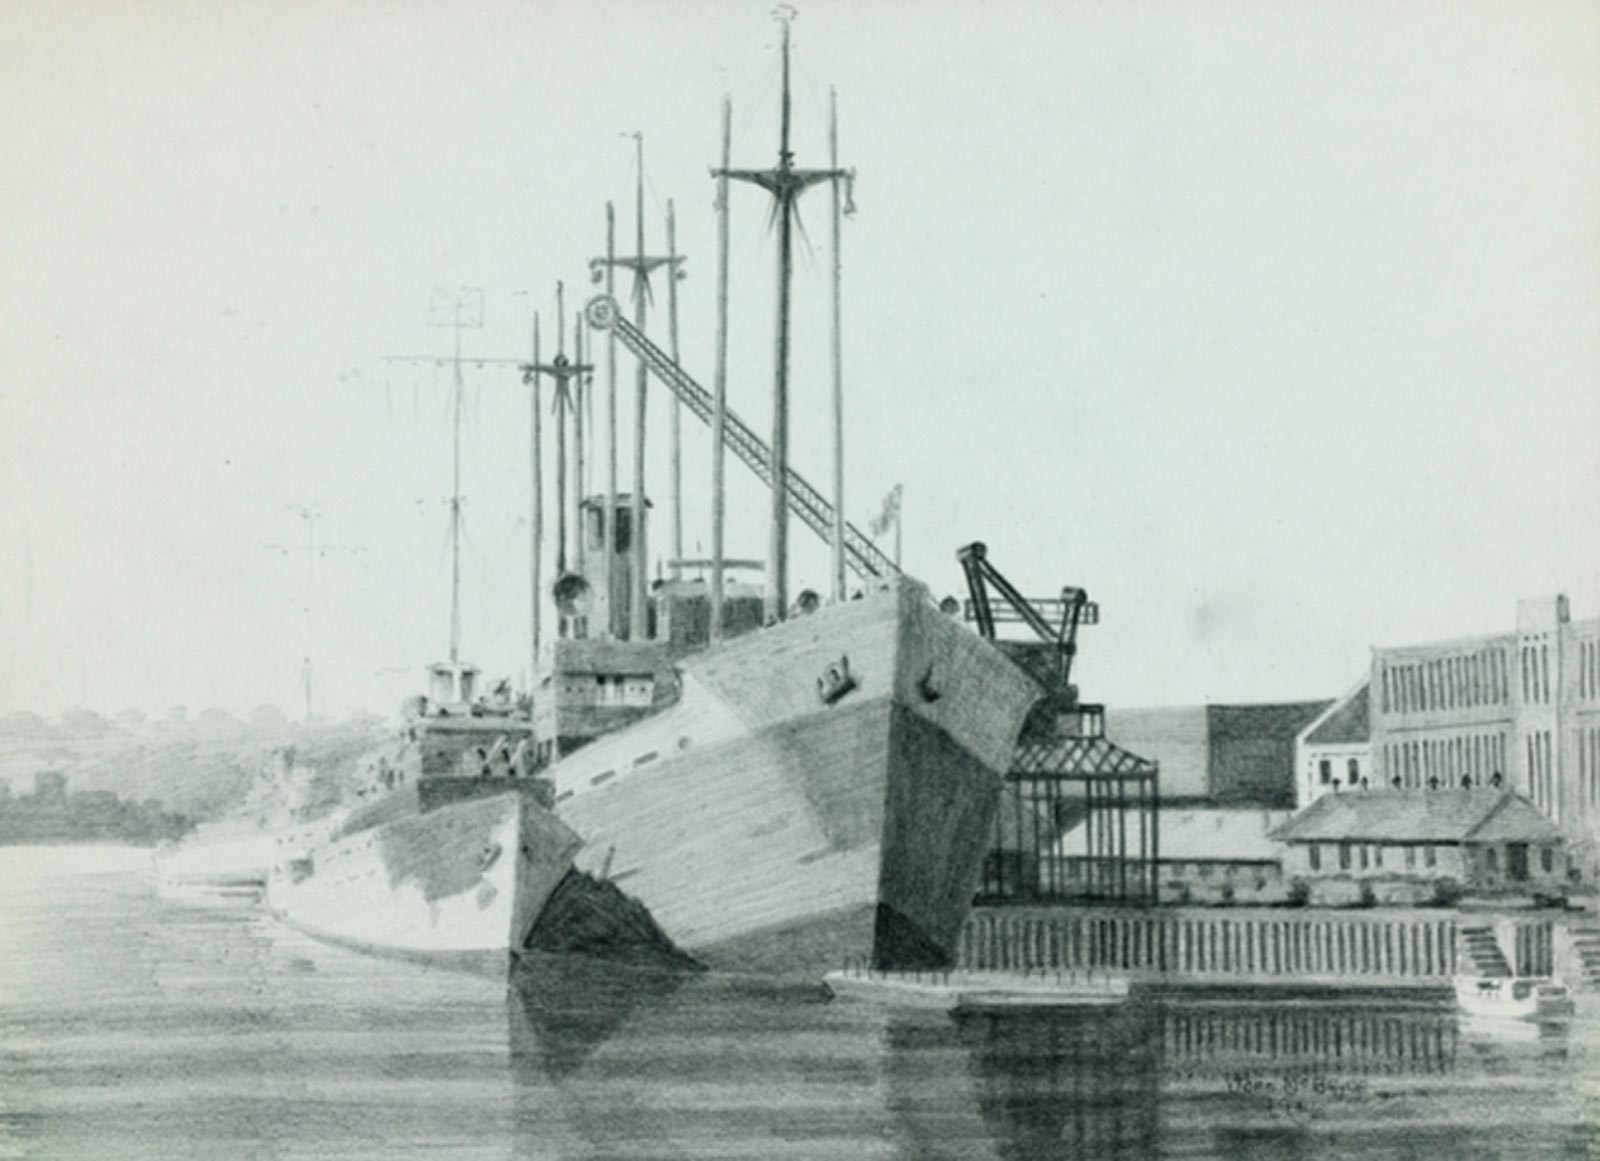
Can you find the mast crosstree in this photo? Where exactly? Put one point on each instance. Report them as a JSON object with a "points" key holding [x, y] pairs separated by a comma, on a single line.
{"points": [[785, 182], [563, 371], [641, 265]]}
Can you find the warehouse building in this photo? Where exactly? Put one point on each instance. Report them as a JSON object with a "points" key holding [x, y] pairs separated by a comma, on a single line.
{"points": [[1517, 710]]}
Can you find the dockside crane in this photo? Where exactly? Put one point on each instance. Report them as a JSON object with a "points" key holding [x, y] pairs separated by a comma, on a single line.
{"points": [[1054, 620]]}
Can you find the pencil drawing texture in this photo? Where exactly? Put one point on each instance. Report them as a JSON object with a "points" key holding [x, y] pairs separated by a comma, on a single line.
{"points": [[844, 846]]}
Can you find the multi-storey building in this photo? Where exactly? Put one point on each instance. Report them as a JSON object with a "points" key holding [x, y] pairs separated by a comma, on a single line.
{"points": [[1521, 709]]}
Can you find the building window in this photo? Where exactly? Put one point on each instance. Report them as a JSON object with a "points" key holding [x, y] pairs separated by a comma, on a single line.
{"points": [[1377, 856], [1344, 856], [1353, 768], [1363, 856], [1491, 858], [1547, 859], [1325, 771], [1314, 853], [1411, 856], [1429, 858]]}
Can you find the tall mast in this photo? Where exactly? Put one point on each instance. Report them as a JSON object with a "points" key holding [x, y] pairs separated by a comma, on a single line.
{"points": [[309, 515], [530, 376], [639, 626], [642, 265], [838, 359], [563, 372], [785, 183], [457, 391], [608, 523], [777, 604], [719, 413], [577, 444], [562, 402], [677, 408], [459, 310], [314, 550]]}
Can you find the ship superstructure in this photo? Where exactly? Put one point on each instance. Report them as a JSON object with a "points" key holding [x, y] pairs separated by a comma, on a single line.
{"points": [[708, 769], [775, 786]]}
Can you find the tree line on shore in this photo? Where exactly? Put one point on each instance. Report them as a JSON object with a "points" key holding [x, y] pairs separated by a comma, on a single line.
{"points": [[49, 814]]}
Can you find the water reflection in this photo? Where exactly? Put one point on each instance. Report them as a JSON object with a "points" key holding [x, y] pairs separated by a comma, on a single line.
{"points": [[1327, 1038], [634, 1064], [215, 1032], [1068, 1084], [563, 1008]]}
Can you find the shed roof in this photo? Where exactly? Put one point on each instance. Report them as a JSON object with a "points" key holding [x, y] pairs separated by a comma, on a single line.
{"points": [[1481, 814], [1238, 836]]}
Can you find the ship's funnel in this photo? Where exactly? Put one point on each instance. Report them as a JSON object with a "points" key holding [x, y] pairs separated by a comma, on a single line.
{"points": [[573, 596]]}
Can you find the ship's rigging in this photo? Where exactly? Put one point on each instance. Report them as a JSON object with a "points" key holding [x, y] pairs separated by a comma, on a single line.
{"points": [[814, 510]]}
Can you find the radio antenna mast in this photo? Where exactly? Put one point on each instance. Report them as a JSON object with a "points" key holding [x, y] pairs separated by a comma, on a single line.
{"points": [[461, 309], [310, 514]]}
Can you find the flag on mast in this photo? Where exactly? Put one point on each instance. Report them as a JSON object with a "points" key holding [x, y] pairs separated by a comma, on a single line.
{"points": [[890, 516]]}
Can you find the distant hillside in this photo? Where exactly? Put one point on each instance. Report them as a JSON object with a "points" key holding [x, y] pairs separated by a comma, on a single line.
{"points": [[197, 768]]}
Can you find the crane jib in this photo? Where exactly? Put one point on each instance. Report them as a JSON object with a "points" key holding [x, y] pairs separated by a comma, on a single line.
{"points": [[863, 556]]}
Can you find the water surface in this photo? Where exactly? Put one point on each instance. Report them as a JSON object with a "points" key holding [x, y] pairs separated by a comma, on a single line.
{"points": [[133, 1026]]}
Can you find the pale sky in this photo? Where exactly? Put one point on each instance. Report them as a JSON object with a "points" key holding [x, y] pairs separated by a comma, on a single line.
{"points": [[1276, 326]]}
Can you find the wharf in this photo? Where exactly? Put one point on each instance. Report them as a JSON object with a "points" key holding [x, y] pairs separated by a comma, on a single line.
{"points": [[1279, 949]]}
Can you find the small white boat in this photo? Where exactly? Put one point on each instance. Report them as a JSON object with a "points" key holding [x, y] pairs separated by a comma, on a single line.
{"points": [[1512, 997], [966, 991]]}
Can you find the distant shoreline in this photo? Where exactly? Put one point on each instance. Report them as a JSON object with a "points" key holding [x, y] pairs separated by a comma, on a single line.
{"points": [[50, 815], [62, 842]]}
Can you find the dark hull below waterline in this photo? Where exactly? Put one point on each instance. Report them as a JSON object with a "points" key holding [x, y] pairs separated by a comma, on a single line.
{"points": [[765, 829]]}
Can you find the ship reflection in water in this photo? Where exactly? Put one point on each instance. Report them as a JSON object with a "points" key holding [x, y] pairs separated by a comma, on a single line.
{"points": [[215, 1031], [634, 1063]]}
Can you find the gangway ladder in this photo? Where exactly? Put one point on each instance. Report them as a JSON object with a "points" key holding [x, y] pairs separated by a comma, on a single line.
{"points": [[863, 556]]}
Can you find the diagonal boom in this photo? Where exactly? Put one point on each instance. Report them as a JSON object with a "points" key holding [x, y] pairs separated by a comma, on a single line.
{"points": [[805, 501]]}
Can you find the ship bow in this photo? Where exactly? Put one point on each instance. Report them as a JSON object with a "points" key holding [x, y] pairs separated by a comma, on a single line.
{"points": [[958, 709]]}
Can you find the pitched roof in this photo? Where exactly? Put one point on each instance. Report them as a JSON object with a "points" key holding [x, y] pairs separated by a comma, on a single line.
{"points": [[1517, 820], [1263, 721], [1482, 814], [1077, 755], [1347, 721]]}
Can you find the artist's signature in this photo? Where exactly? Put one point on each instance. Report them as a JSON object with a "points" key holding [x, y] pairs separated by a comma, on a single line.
{"points": [[1301, 1094]]}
